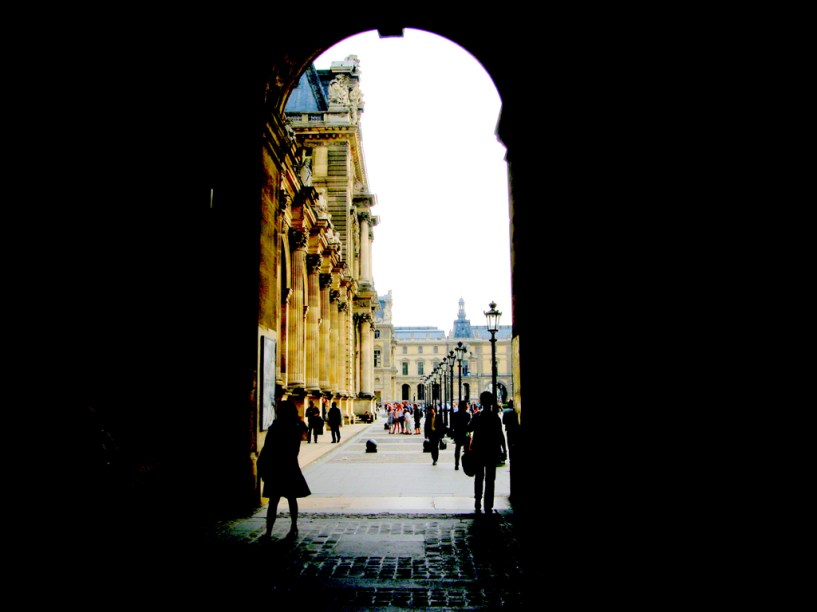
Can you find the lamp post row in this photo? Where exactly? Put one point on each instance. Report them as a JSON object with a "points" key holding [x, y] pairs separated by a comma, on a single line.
{"points": [[445, 380]]}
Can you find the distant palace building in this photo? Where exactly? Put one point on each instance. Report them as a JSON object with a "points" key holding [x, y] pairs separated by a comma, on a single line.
{"points": [[405, 358]]}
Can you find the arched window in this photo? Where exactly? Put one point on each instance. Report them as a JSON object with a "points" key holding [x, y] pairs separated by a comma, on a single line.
{"points": [[377, 333]]}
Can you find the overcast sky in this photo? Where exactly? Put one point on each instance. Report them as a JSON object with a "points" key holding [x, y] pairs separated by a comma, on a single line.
{"points": [[439, 176]]}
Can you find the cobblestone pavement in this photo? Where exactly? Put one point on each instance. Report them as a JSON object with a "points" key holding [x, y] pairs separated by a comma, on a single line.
{"points": [[357, 556], [366, 541], [378, 562]]}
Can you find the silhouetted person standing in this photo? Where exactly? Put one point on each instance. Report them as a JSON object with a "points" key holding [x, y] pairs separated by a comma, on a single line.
{"points": [[487, 444], [315, 422], [333, 418], [459, 429], [434, 430], [279, 468]]}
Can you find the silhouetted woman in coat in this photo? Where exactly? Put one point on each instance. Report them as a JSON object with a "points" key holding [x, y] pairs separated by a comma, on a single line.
{"points": [[279, 468]]}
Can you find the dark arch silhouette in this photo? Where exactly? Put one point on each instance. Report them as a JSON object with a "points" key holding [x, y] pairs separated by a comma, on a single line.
{"points": [[152, 300]]}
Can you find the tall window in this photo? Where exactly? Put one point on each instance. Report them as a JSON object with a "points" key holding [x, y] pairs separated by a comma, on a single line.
{"points": [[420, 349], [377, 358], [377, 333], [436, 349], [465, 367], [405, 350], [420, 366], [405, 368]]}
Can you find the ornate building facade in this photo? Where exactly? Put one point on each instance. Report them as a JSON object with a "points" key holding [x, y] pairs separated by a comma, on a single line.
{"points": [[317, 299], [406, 359]]}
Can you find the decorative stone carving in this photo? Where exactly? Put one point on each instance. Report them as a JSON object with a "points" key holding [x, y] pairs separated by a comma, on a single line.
{"points": [[339, 90], [343, 306], [334, 294], [297, 239], [313, 262], [325, 280], [356, 96], [303, 165]]}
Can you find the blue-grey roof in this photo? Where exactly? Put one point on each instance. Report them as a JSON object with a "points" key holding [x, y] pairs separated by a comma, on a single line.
{"points": [[434, 333], [419, 333], [310, 94], [505, 332]]}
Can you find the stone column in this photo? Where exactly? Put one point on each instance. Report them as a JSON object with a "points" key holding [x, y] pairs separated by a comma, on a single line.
{"points": [[366, 354], [350, 336], [365, 249], [334, 342], [282, 357], [343, 347], [296, 361], [313, 315], [325, 325], [355, 351]]}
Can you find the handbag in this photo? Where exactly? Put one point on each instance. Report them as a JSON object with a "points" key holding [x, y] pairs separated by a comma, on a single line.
{"points": [[468, 461]]}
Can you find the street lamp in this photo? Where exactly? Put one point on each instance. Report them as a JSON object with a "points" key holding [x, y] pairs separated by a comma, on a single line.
{"points": [[445, 387], [434, 377], [460, 354], [451, 357], [493, 326]]}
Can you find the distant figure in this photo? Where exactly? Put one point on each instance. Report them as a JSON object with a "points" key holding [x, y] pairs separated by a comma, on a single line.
{"points": [[434, 430], [487, 444], [315, 422], [279, 469], [459, 430], [334, 418], [511, 422]]}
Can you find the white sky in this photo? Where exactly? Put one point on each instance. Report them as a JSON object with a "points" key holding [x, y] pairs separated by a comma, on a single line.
{"points": [[439, 175]]}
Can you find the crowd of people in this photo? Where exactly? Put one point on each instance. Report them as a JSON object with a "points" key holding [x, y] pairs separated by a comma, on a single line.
{"points": [[475, 428]]}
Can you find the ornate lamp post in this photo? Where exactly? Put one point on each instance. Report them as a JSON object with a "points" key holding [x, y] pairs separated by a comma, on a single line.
{"points": [[493, 326], [460, 354], [445, 388], [451, 357], [435, 378]]}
